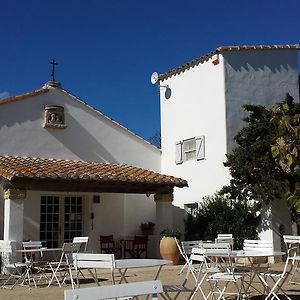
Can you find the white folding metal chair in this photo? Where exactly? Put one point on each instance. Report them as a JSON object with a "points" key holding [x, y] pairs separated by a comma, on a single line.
{"points": [[292, 243], [33, 260], [15, 271], [185, 249], [123, 291], [94, 261], [276, 281], [228, 276], [83, 240], [201, 270], [225, 238], [219, 249], [176, 289], [65, 264]]}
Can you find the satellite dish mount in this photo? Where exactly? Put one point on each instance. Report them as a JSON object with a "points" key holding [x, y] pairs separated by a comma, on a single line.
{"points": [[155, 80]]}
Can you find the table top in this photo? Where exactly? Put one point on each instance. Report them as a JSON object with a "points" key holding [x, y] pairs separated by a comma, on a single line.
{"points": [[244, 254], [140, 263], [43, 249]]}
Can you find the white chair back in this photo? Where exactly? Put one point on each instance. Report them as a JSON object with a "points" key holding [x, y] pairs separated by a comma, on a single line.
{"points": [[258, 245], [83, 240], [32, 245], [198, 254], [187, 246], [94, 260], [224, 236], [290, 240], [216, 248], [128, 290]]}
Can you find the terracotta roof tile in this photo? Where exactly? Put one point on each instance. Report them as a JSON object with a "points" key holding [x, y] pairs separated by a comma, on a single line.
{"points": [[206, 57], [41, 168]]}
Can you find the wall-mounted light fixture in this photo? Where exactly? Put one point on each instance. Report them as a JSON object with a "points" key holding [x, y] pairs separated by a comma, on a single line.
{"points": [[148, 194]]}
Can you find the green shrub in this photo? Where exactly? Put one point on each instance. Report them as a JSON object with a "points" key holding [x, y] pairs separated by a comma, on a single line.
{"points": [[219, 214], [171, 233]]}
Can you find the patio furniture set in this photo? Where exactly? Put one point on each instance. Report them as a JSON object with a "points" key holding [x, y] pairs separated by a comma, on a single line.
{"points": [[215, 263]]}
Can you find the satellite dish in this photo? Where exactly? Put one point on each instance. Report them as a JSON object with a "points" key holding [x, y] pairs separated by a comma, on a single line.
{"points": [[154, 78]]}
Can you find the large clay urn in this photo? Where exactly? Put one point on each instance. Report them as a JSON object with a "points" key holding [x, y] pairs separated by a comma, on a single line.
{"points": [[169, 250]]}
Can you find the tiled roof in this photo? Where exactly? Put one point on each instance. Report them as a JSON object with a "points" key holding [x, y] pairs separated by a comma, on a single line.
{"points": [[41, 168], [205, 57]]}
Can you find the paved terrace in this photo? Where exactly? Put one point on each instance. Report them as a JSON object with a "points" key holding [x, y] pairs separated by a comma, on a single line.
{"points": [[168, 275]]}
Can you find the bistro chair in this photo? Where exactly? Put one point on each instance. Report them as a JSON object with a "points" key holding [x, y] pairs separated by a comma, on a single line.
{"points": [[34, 260], [139, 246], [292, 243], [108, 245], [185, 249], [225, 238], [118, 291], [94, 261], [230, 276], [15, 271], [200, 268], [173, 291], [83, 240], [276, 280], [65, 263]]}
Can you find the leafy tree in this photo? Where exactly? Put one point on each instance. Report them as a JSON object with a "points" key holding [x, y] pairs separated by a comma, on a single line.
{"points": [[286, 149], [268, 133], [220, 214]]}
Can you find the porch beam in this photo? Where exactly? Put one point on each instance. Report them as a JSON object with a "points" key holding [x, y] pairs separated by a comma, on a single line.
{"points": [[88, 186]]}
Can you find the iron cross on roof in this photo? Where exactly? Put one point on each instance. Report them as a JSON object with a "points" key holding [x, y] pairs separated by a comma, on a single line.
{"points": [[53, 63]]}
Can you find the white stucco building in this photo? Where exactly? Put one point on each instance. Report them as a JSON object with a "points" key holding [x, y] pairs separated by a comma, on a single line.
{"points": [[75, 194], [69, 170], [201, 111]]}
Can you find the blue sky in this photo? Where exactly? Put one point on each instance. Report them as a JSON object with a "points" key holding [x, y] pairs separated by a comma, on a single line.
{"points": [[107, 50]]}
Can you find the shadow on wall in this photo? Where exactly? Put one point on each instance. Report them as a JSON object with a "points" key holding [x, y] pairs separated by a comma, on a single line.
{"points": [[85, 146], [179, 214], [250, 60]]}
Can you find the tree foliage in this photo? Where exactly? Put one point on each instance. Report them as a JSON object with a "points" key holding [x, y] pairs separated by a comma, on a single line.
{"points": [[219, 214], [265, 164]]}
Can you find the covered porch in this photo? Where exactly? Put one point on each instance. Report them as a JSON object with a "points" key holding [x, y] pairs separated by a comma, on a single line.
{"points": [[25, 178]]}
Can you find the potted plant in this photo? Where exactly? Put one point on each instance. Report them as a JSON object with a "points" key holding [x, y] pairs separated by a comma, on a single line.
{"points": [[147, 228], [168, 247]]}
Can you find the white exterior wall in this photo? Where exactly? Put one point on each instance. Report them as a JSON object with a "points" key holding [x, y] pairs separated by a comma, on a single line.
{"points": [[261, 77], [196, 107], [89, 136], [207, 100]]}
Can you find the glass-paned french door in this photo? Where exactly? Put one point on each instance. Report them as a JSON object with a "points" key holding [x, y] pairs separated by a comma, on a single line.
{"points": [[61, 219]]}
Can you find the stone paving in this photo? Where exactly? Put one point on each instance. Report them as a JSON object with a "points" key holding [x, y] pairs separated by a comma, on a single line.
{"points": [[168, 275]]}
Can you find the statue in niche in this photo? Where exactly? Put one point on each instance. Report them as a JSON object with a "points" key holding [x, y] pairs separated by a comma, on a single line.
{"points": [[54, 117]]}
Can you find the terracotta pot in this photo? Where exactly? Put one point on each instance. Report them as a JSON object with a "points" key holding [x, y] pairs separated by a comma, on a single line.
{"points": [[169, 250]]}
